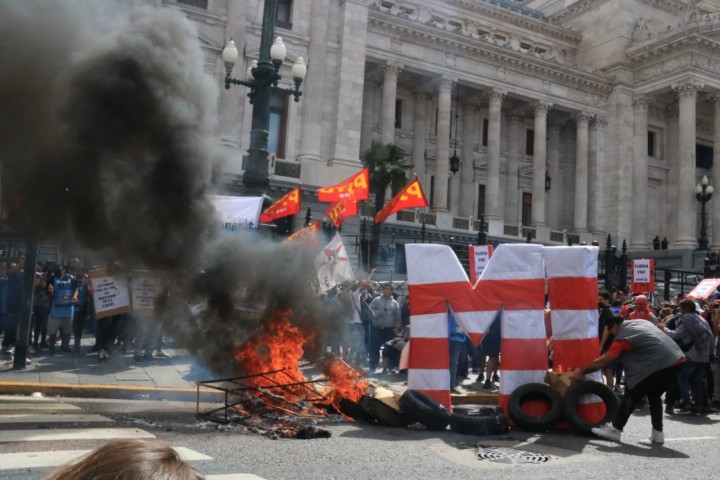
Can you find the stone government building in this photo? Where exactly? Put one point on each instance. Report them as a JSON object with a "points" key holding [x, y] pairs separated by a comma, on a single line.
{"points": [[574, 118]]}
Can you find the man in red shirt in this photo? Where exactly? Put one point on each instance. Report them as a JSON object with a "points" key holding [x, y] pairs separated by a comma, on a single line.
{"points": [[651, 360], [642, 310]]}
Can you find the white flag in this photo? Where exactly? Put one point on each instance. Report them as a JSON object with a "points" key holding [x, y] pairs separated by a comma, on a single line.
{"points": [[333, 265]]}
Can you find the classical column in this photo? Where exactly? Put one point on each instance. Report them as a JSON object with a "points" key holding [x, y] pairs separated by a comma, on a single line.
{"points": [[442, 151], [638, 234], [512, 214], [671, 184], [596, 214], [686, 176], [233, 105], [389, 94], [582, 120], [420, 128], [467, 166], [492, 181], [556, 184], [312, 118], [539, 163], [715, 205]]}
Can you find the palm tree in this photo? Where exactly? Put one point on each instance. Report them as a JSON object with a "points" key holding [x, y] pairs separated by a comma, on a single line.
{"points": [[387, 168]]}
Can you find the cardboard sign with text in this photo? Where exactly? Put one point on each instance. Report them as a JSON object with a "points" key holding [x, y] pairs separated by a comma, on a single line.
{"points": [[643, 275], [479, 256], [704, 289], [145, 287], [110, 293]]}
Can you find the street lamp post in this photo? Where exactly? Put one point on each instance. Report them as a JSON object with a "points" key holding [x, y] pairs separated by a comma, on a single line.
{"points": [[703, 194], [261, 78]]}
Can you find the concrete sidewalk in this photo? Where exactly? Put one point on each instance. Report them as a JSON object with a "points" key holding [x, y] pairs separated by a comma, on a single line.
{"points": [[82, 375]]}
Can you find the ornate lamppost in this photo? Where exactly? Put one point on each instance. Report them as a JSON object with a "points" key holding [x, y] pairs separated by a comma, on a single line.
{"points": [[703, 194], [262, 79]]}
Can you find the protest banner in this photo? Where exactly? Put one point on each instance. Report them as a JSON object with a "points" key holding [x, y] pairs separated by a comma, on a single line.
{"points": [[236, 213], [411, 196], [145, 288], [110, 293], [704, 289], [643, 275], [479, 256], [288, 205], [354, 188]]}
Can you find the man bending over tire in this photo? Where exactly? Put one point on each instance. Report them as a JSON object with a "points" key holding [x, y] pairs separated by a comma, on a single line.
{"points": [[651, 360]]}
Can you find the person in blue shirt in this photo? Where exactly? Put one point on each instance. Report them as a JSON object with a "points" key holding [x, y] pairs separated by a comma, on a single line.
{"points": [[64, 292], [456, 337]]}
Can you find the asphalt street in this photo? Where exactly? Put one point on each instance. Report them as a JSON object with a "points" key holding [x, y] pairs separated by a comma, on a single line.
{"points": [[362, 451]]}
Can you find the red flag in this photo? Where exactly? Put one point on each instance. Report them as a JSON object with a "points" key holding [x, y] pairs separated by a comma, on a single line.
{"points": [[306, 236], [286, 206], [409, 197], [354, 188], [339, 211]]}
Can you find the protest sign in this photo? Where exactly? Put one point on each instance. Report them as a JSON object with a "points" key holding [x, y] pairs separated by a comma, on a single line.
{"points": [[145, 287], [643, 275], [704, 289], [236, 213], [479, 256], [110, 293]]}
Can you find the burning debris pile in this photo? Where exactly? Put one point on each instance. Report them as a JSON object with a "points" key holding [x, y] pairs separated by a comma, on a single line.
{"points": [[275, 397]]}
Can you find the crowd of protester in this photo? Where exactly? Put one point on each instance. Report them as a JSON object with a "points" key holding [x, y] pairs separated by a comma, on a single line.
{"points": [[63, 312]]}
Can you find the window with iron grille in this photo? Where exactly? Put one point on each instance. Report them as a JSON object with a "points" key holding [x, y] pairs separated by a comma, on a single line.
{"points": [[529, 142], [526, 208], [703, 156]]}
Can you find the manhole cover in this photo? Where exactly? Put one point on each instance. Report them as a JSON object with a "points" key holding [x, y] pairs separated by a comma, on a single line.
{"points": [[510, 456]]}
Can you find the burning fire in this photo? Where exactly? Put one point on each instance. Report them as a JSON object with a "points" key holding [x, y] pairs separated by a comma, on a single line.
{"points": [[276, 350]]}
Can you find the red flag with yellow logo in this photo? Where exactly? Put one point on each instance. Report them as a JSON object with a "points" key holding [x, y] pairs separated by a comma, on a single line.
{"points": [[409, 197], [339, 211], [307, 236], [354, 188], [286, 206]]}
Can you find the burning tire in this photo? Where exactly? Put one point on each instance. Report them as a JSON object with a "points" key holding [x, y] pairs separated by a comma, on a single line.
{"points": [[535, 421], [588, 387], [354, 410], [479, 423], [384, 413], [423, 409]]}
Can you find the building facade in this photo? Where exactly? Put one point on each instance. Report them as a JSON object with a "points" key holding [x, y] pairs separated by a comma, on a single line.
{"points": [[571, 118]]}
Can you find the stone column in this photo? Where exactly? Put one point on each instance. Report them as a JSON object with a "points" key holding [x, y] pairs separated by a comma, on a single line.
{"points": [[391, 71], [556, 184], [686, 176], [467, 165], [581, 173], [313, 91], [442, 153], [512, 213], [539, 163], [492, 181], [638, 235], [671, 183], [596, 222], [715, 204], [420, 128]]}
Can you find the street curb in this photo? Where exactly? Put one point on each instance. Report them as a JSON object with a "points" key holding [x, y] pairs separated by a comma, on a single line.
{"points": [[128, 392]]}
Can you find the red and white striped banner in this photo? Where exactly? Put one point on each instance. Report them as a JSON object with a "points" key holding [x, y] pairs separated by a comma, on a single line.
{"points": [[573, 289], [513, 280]]}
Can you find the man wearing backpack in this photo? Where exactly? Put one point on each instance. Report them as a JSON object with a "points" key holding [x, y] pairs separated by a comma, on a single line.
{"points": [[695, 338]]}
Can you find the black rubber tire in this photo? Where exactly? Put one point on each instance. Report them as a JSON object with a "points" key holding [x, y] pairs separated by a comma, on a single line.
{"points": [[477, 410], [384, 414], [354, 410], [483, 425], [584, 387], [423, 409], [535, 391]]}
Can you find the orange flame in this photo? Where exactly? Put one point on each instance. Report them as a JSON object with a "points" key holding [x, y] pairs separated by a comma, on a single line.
{"points": [[277, 346]]}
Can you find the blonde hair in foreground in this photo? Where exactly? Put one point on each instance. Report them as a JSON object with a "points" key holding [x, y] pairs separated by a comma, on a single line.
{"points": [[128, 460]]}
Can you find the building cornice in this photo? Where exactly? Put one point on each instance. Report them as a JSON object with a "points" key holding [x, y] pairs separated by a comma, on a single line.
{"points": [[672, 54], [198, 14], [407, 31], [578, 8], [508, 16]]}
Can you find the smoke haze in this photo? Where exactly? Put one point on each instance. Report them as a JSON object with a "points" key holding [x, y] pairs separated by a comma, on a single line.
{"points": [[107, 135]]}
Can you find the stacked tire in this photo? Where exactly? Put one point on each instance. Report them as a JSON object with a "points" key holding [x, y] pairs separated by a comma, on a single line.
{"points": [[559, 408], [478, 420]]}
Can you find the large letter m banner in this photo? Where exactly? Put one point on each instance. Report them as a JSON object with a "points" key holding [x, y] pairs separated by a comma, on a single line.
{"points": [[513, 284]]}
